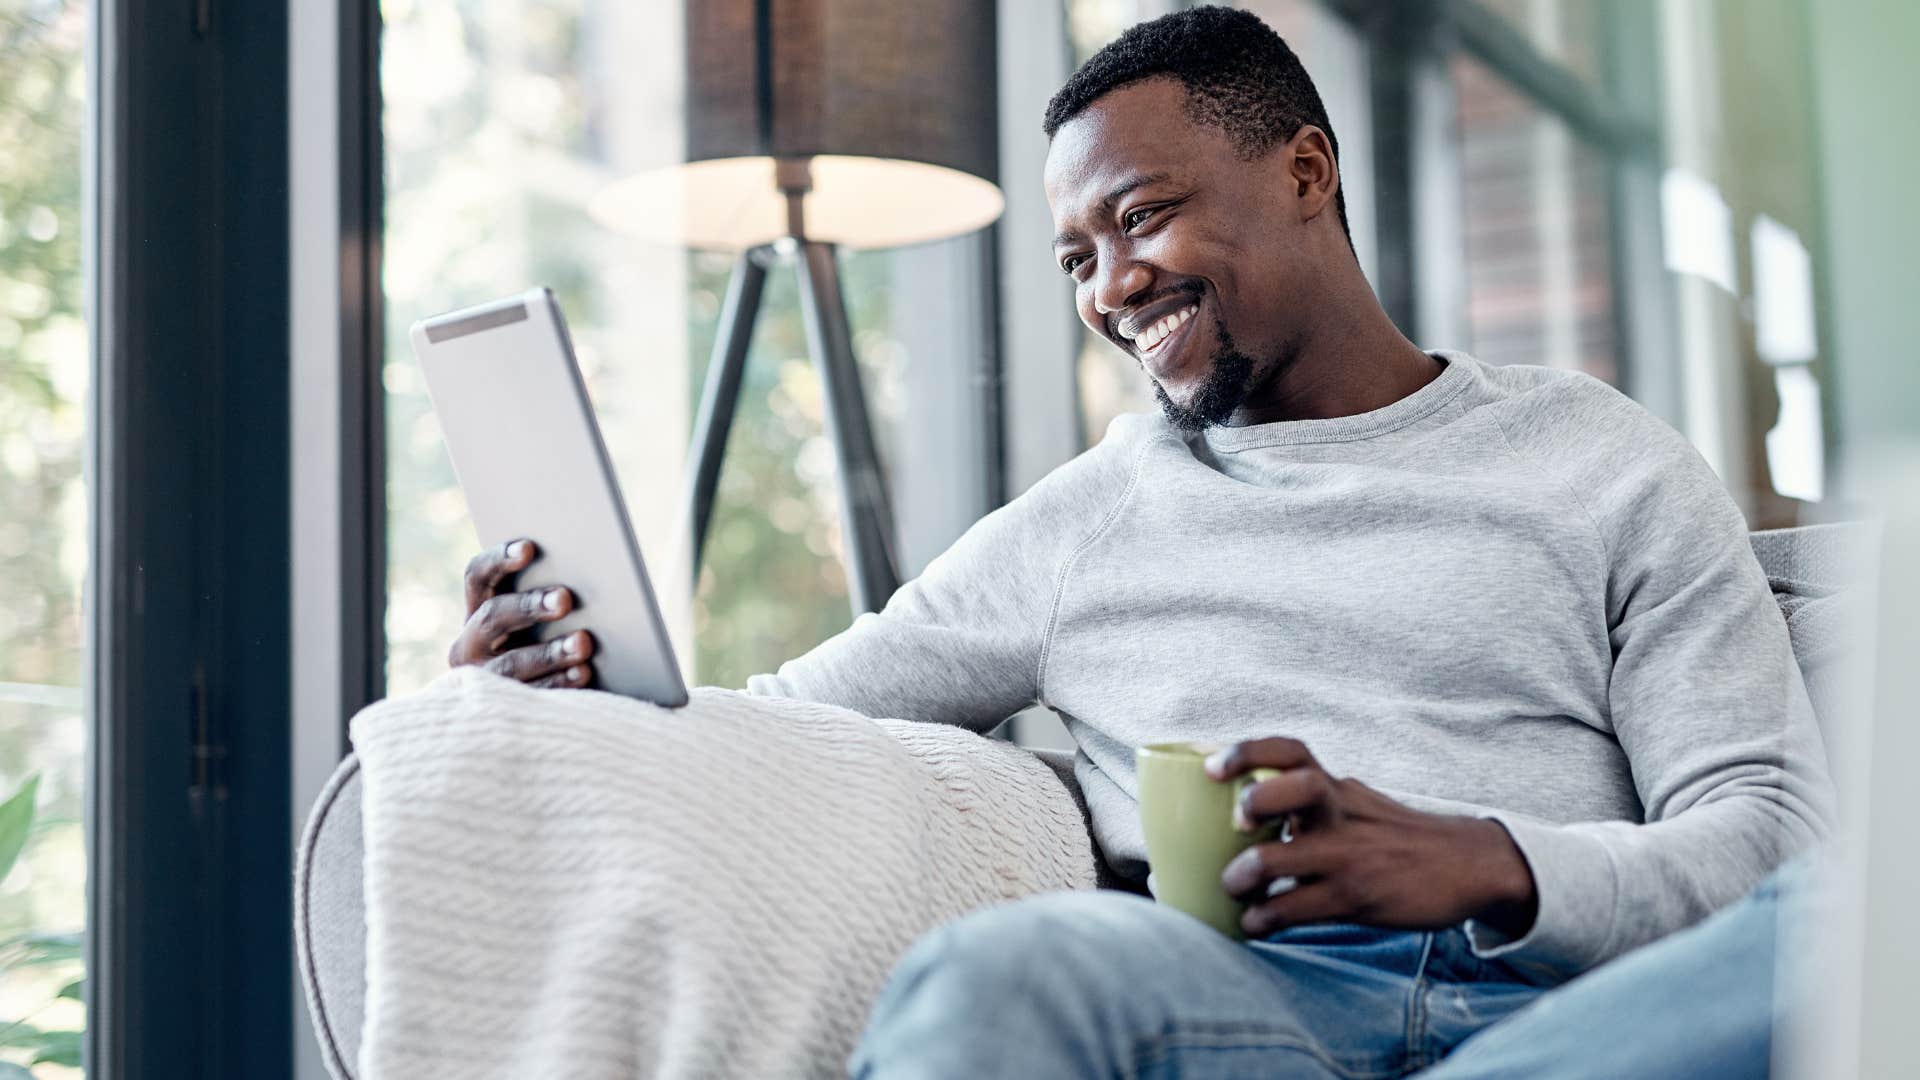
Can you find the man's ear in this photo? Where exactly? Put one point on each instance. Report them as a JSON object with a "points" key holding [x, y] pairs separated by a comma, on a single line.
{"points": [[1312, 170]]}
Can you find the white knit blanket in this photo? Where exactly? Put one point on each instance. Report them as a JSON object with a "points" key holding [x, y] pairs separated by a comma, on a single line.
{"points": [[575, 884]]}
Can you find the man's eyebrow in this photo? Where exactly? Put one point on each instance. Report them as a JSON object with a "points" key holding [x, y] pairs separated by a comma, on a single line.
{"points": [[1120, 190]]}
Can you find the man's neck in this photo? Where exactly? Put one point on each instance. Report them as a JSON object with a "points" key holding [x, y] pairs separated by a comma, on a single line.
{"points": [[1341, 374]]}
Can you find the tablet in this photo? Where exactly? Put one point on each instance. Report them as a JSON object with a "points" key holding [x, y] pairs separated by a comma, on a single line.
{"points": [[528, 453]]}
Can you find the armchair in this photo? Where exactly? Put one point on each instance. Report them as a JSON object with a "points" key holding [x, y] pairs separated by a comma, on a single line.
{"points": [[1809, 568]]}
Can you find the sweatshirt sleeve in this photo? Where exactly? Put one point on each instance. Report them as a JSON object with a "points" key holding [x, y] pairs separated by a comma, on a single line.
{"points": [[961, 643], [1706, 700]]}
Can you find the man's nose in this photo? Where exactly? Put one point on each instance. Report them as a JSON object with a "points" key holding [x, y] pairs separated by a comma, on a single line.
{"points": [[1119, 282]]}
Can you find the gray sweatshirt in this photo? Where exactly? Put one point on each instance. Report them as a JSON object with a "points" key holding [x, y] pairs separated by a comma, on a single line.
{"points": [[1513, 593]]}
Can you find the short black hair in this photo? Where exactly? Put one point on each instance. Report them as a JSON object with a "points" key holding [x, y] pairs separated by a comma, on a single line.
{"points": [[1240, 77]]}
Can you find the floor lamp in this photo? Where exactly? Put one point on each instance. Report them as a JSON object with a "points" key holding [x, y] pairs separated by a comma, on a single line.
{"points": [[813, 124]]}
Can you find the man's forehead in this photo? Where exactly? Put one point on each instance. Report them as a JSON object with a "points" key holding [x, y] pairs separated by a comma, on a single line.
{"points": [[1136, 130]]}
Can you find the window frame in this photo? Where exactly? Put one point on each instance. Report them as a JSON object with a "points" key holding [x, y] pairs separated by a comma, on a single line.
{"points": [[964, 276], [189, 880], [1413, 152], [363, 435]]}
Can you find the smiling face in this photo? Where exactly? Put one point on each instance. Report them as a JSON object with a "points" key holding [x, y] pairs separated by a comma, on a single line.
{"points": [[1203, 266]]}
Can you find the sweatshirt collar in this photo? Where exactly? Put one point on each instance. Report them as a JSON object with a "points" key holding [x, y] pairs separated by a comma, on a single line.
{"points": [[1444, 388]]}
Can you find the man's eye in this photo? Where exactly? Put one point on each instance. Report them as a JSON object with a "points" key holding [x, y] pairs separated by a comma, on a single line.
{"points": [[1071, 262], [1133, 218]]}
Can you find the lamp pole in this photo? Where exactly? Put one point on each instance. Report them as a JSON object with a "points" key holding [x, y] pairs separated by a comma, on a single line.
{"points": [[866, 515], [804, 130]]}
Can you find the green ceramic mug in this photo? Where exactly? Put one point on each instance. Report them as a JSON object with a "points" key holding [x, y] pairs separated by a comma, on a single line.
{"points": [[1188, 819]]}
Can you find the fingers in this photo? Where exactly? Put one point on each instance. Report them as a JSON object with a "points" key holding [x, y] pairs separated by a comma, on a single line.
{"points": [[509, 613], [499, 617], [1293, 791], [488, 569], [574, 678], [1248, 876], [555, 659], [1277, 752], [1308, 902]]}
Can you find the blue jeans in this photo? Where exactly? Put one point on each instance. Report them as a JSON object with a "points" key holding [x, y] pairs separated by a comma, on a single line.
{"points": [[1100, 984]]}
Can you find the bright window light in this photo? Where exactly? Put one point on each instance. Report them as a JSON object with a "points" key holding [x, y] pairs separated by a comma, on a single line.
{"points": [[1782, 294], [1698, 227]]}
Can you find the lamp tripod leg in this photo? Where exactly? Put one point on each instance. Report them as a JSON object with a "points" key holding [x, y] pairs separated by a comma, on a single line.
{"points": [[865, 511], [720, 395]]}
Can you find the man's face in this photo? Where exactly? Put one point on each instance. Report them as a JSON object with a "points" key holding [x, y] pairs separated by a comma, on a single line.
{"points": [[1188, 258]]}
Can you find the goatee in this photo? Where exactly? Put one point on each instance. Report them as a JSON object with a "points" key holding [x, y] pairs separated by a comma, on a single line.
{"points": [[1229, 378]]}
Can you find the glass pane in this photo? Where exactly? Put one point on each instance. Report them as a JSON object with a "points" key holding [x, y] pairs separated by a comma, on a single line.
{"points": [[43, 536], [501, 121], [1110, 381], [1568, 32], [1740, 216], [1536, 221], [772, 584]]}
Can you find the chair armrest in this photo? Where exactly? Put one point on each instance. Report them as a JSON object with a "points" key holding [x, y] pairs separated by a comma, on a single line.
{"points": [[329, 919], [1061, 762]]}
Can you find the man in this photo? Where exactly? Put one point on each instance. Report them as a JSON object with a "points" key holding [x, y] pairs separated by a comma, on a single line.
{"points": [[1500, 628]]}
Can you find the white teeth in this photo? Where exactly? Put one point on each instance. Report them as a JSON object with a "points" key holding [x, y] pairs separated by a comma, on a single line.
{"points": [[1153, 335]]}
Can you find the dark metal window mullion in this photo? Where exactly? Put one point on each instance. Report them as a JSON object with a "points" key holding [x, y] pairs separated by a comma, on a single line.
{"points": [[1643, 319], [1399, 37], [1397, 41], [363, 459], [188, 965]]}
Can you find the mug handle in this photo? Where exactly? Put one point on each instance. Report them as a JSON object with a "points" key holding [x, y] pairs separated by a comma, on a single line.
{"points": [[1247, 779]]}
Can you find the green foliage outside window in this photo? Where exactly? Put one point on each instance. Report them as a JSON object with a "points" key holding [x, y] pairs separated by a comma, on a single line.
{"points": [[43, 357], [498, 126], [772, 585], [43, 539], [26, 953]]}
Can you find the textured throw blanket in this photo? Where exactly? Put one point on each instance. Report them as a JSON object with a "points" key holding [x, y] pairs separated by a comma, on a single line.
{"points": [[575, 884]]}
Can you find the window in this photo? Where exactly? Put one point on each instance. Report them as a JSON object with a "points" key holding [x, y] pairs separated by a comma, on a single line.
{"points": [[1568, 32], [1535, 218], [501, 121], [43, 535]]}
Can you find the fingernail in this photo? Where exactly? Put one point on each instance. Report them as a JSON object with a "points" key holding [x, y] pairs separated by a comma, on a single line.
{"points": [[570, 645], [1216, 762], [552, 600], [1231, 871], [517, 549], [1240, 819], [576, 674]]}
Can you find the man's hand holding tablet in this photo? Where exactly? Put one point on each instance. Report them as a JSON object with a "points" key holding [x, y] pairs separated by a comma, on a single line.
{"points": [[495, 634], [524, 442]]}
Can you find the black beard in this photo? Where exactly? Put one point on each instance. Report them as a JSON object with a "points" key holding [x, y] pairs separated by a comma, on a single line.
{"points": [[1229, 378]]}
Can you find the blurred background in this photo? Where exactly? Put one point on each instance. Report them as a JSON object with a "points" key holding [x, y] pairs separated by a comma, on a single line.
{"points": [[1703, 202]]}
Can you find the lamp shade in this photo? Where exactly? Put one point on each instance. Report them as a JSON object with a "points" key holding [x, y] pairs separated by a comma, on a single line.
{"points": [[889, 104]]}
